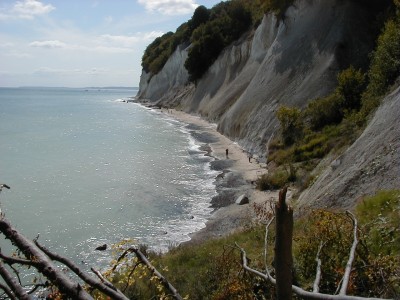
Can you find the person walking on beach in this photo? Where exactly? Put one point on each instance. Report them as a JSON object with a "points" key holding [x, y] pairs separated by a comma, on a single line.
{"points": [[249, 156], [226, 152]]}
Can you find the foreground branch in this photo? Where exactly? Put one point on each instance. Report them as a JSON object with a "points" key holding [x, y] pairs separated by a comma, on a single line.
{"points": [[8, 292], [297, 290], [283, 247], [266, 244], [346, 276], [112, 291], [163, 280], [13, 284], [42, 263], [318, 273]]}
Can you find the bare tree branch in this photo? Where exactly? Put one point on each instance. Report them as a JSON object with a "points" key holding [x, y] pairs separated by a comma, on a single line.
{"points": [[8, 292], [111, 291], [318, 273], [44, 264], [346, 276], [163, 280], [266, 244], [36, 287], [297, 290], [13, 284], [14, 260]]}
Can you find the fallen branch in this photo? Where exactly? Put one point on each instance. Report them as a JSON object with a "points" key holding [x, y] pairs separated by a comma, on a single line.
{"points": [[8, 292], [13, 284], [110, 291], [318, 273], [346, 276], [266, 244], [297, 290], [163, 280], [14, 260], [42, 263]]}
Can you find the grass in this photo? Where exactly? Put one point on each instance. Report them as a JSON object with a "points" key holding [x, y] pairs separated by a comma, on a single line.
{"points": [[212, 269]]}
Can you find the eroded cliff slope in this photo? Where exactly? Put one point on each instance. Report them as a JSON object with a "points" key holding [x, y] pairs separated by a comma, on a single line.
{"points": [[289, 61], [371, 164]]}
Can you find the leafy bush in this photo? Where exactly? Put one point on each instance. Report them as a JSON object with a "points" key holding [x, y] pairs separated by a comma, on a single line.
{"points": [[291, 121], [316, 147], [380, 216], [375, 271], [275, 180], [324, 111], [351, 84], [384, 68]]}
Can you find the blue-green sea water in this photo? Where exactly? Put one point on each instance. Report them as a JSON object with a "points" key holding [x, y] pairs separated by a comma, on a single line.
{"points": [[86, 169]]}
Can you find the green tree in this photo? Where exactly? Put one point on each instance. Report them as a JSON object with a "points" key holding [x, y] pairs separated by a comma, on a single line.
{"points": [[200, 16], [291, 121], [351, 84]]}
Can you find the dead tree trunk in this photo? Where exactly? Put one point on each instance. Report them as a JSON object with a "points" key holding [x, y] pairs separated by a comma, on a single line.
{"points": [[283, 248]]}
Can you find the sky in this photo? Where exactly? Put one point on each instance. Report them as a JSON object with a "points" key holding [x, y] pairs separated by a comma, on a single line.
{"points": [[83, 43]]}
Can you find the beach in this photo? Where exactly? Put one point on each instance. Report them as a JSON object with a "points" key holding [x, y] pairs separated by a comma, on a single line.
{"points": [[237, 178]]}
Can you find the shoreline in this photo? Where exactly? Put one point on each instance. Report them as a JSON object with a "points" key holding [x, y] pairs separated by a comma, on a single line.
{"points": [[237, 177]]}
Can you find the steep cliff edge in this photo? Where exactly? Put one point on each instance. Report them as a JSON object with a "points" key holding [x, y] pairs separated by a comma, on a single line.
{"points": [[282, 62], [290, 62]]}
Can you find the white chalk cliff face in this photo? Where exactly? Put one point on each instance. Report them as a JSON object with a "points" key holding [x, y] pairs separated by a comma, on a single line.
{"points": [[284, 62]]}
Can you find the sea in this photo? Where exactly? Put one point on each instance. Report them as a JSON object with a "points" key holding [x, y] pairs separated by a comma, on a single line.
{"points": [[86, 168]]}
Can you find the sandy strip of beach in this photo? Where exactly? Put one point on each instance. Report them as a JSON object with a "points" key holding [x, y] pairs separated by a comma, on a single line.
{"points": [[228, 218]]}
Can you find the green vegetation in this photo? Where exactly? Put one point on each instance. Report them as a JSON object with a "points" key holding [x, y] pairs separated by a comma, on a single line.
{"points": [[378, 251], [209, 31], [212, 270], [330, 123]]}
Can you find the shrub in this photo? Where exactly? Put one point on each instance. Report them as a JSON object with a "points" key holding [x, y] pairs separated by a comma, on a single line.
{"points": [[273, 181], [291, 121], [380, 216], [384, 69], [317, 147], [324, 111], [375, 270], [385, 65], [351, 84]]}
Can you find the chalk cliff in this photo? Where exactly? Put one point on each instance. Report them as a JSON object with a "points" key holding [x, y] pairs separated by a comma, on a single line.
{"points": [[289, 61]]}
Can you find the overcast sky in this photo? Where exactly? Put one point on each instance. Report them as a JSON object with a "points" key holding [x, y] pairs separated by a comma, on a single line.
{"points": [[81, 43]]}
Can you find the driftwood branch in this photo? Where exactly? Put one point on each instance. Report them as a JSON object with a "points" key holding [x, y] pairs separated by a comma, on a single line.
{"points": [[13, 284], [42, 263], [163, 280], [110, 291], [346, 276]]}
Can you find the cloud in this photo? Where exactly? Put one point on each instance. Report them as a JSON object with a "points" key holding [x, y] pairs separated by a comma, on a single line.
{"points": [[48, 44], [27, 9], [169, 7], [6, 45], [105, 43], [128, 41]]}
